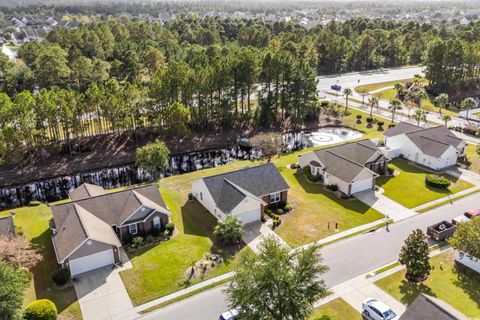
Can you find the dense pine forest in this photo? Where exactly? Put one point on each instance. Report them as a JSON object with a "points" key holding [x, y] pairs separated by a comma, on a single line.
{"points": [[201, 74]]}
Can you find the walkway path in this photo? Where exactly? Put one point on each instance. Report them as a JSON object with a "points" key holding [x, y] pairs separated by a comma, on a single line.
{"points": [[255, 232]]}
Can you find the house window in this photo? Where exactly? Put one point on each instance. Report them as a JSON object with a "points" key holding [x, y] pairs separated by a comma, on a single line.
{"points": [[275, 197], [133, 229], [201, 196], [156, 222]]}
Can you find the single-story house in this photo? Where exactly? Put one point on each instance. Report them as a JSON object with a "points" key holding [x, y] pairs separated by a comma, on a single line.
{"points": [[7, 226], [426, 307], [244, 193], [435, 147], [88, 231], [352, 166]]}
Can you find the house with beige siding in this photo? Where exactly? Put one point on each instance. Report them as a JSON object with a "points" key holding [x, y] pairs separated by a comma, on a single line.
{"points": [[88, 232], [352, 166], [244, 193]]}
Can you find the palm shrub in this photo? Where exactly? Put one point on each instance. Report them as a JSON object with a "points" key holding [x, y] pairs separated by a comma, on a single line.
{"points": [[380, 125], [137, 242], [229, 230], [369, 122], [43, 309], [169, 228], [359, 118], [414, 256]]}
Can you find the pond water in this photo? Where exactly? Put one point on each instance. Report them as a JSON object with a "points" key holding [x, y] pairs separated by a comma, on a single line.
{"points": [[58, 188]]}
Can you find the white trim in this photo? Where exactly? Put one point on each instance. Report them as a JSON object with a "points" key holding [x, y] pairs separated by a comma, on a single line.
{"points": [[277, 196], [130, 229], [141, 206]]}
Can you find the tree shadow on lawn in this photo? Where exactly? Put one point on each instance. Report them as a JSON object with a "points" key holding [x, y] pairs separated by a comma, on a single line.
{"points": [[469, 281], [313, 188], [410, 290], [42, 272]]}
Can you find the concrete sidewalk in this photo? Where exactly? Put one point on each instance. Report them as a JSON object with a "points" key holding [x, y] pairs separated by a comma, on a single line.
{"points": [[447, 198], [255, 232]]}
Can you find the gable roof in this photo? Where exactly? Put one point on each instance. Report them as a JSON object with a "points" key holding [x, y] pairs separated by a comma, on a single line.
{"points": [[86, 190], [93, 217], [347, 161], [432, 141], [229, 189], [429, 308], [7, 226]]}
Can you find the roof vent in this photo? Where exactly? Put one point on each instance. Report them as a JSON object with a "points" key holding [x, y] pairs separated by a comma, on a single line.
{"points": [[143, 209]]}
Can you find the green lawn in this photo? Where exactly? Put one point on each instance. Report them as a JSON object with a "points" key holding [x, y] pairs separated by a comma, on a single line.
{"points": [[409, 188], [159, 270], [456, 285], [337, 309], [33, 221], [377, 86], [473, 157]]}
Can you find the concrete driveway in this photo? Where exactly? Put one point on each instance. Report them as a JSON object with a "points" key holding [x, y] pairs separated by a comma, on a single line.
{"points": [[102, 295]]}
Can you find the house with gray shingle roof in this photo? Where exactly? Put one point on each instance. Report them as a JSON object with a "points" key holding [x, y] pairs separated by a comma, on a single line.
{"points": [[426, 307], [436, 147], [244, 193], [88, 231], [352, 166]]}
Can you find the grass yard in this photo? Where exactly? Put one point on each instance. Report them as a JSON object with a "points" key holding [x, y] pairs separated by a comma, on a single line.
{"points": [[377, 86], [456, 285], [473, 157], [33, 221], [416, 192], [336, 309], [159, 270]]}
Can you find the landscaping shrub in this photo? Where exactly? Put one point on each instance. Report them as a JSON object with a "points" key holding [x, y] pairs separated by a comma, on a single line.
{"points": [[391, 125], [332, 187], [155, 232], [61, 276], [294, 166], [437, 181], [41, 310], [34, 203], [381, 171], [169, 227], [279, 211], [137, 242], [390, 169], [268, 212], [308, 174], [359, 118], [324, 103], [380, 125], [288, 207]]}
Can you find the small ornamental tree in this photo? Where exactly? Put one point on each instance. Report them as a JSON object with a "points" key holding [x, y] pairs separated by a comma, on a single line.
{"points": [[466, 239], [43, 309], [414, 256], [13, 283], [19, 252], [269, 143], [153, 157], [229, 230], [278, 283]]}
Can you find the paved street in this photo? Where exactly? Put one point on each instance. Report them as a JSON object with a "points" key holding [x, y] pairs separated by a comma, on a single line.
{"points": [[347, 259]]}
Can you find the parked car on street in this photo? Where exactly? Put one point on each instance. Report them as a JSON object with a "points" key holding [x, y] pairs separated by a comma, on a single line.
{"points": [[376, 310], [466, 216], [229, 315]]}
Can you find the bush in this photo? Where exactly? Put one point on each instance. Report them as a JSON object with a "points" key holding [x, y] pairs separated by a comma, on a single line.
{"points": [[391, 125], [279, 211], [332, 187], [369, 120], [61, 276], [288, 207], [437, 181], [359, 118], [34, 203], [169, 228], [308, 174], [380, 125], [41, 310], [137, 242], [294, 166], [390, 169]]}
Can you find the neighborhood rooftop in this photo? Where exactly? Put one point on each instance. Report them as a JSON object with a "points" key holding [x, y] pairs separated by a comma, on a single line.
{"points": [[432, 141], [6, 226], [347, 161], [229, 189], [429, 308]]}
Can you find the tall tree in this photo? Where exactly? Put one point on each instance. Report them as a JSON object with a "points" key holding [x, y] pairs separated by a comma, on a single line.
{"points": [[414, 256], [441, 101], [468, 104], [347, 92], [466, 239], [373, 102], [153, 157], [394, 106], [14, 283], [277, 283]]}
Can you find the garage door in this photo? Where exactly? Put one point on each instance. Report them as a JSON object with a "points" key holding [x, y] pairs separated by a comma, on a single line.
{"points": [[362, 185], [91, 262], [249, 216]]}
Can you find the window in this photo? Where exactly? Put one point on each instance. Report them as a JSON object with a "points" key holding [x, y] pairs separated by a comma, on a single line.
{"points": [[275, 197], [201, 196], [133, 229], [156, 222]]}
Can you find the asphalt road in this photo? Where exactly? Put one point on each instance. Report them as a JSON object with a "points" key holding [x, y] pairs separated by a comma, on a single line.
{"points": [[347, 259]]}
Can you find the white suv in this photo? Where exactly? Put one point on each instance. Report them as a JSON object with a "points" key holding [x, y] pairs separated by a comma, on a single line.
{"points": [[376, 310]]}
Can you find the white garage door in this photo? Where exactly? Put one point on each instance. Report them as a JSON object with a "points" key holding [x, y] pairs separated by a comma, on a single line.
{"points": [[91, 262], [249, 216], [362, 185]]}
